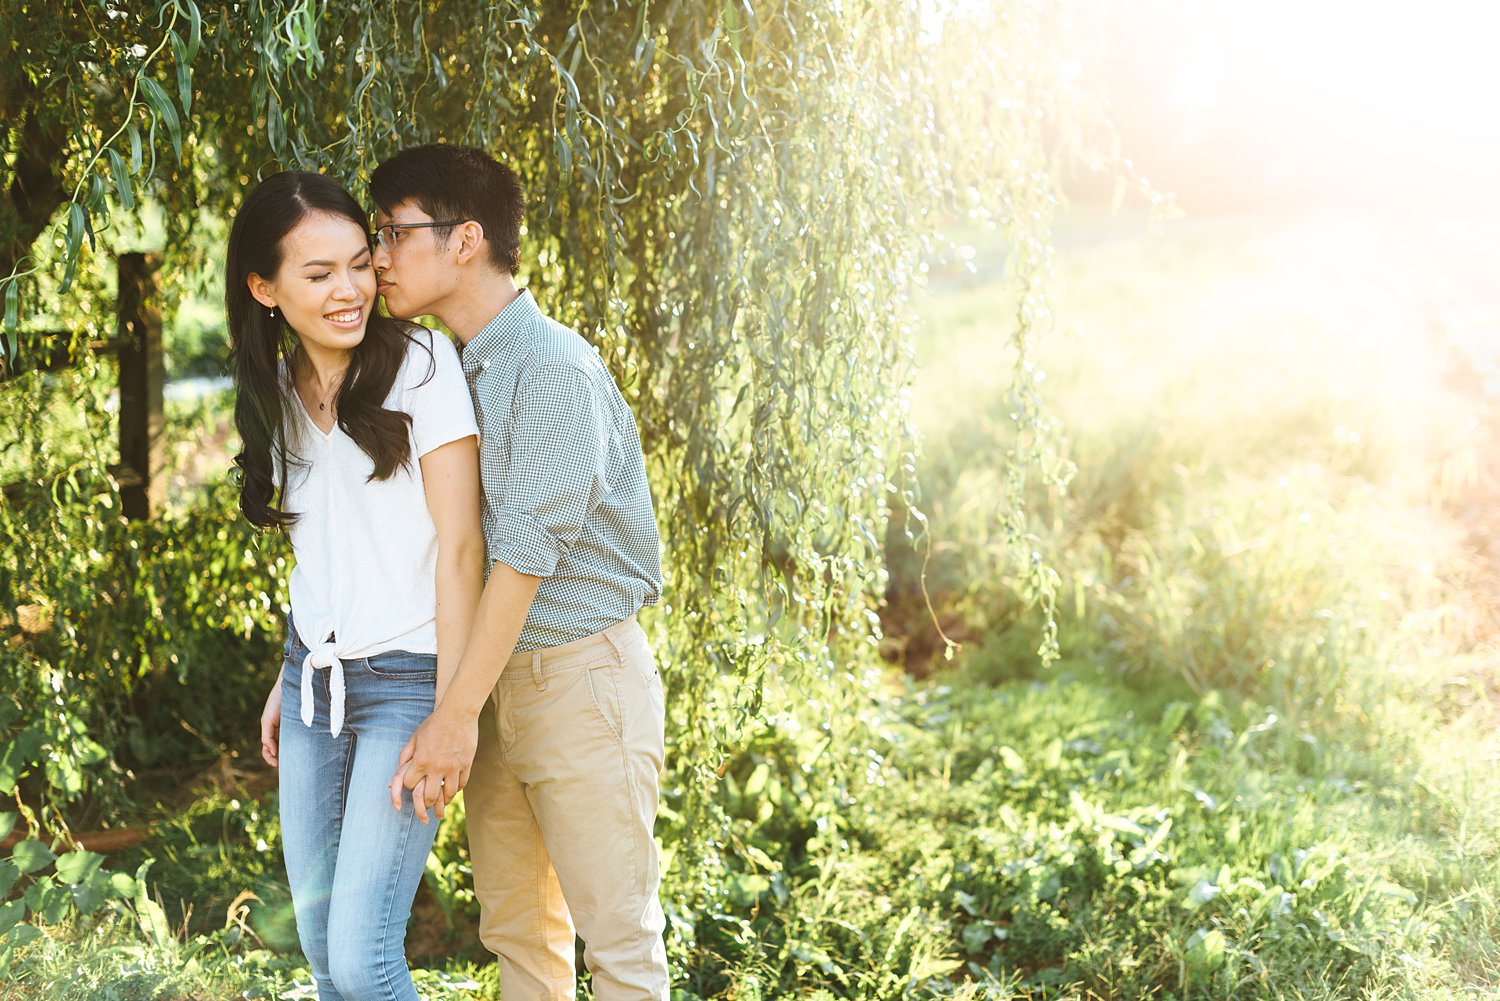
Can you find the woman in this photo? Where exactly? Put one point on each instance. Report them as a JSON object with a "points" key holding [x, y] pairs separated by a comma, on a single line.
{"points": [[359, 440]]}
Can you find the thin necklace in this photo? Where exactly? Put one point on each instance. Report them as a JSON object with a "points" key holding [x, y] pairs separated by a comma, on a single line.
{"points": [[327, 397]]}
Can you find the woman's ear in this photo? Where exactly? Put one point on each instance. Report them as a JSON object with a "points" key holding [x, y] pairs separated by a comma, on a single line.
{"points": [[261, 289]]}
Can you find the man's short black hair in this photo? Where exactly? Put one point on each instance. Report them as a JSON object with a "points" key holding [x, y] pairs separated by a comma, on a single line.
{"points": [[457, 182]]}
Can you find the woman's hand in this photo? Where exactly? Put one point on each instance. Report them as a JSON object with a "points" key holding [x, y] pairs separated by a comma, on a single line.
{"points": [[270, 724]]}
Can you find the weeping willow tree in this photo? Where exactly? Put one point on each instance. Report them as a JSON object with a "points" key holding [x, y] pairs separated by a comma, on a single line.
{"points": [[732, 200]]}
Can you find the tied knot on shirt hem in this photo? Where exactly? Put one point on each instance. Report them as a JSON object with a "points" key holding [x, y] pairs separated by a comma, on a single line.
{"points": [[324, 657]]}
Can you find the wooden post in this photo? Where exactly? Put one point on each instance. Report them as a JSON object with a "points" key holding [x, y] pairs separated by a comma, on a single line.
{"points": [[142, 489]]}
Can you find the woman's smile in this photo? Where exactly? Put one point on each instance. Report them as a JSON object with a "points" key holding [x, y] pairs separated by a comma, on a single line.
{"points": [[348, 319]]}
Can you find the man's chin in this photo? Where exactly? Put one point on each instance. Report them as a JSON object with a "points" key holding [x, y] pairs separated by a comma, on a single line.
{"points": [[395, 308]]}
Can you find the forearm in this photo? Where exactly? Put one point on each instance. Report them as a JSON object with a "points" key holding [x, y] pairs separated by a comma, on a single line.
{"points": [[497, 624], [459, 580]]}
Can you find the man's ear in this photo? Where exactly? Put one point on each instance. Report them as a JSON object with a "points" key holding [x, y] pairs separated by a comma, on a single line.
{"points": [[261, 289], [470, 240]]}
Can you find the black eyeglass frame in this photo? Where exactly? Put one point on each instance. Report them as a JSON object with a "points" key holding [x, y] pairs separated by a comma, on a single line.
{"points": [[388, 242]]}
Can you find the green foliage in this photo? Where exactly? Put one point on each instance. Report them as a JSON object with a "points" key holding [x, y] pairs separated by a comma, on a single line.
{"points": [[1103, 828], [108, 653], [450, 876], [1281, 575], [134, 953], [732, 201], [222, 852], [83, 109], [714, 191], [1051, 840], [1031, 841], [119, 630], [34, 897]]}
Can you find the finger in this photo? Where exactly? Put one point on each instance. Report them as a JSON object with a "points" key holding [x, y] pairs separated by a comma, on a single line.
{"points": [[414, 773], [398, 783], [269, 732], [446, 788], [432, 795], [408, 750], [418, 799]]}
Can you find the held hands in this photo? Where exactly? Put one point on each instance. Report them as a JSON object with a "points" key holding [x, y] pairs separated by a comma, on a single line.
{"points": [[435, 762], [270, 725]]}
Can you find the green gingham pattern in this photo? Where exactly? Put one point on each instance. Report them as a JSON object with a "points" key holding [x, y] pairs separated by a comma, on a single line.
{"points": [[565, 491]]}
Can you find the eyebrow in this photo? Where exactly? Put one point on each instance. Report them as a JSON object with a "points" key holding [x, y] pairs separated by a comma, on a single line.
{"points": [[329, 264]]}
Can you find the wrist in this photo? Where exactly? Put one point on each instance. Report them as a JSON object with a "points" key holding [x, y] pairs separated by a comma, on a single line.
{"points": [[455, 707]]}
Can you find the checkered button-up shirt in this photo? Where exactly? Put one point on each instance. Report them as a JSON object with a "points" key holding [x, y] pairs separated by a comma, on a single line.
{"points": [[565, 492]]}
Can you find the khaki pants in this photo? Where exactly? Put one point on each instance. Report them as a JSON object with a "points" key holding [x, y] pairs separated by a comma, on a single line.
{"points": [[561, 803]]}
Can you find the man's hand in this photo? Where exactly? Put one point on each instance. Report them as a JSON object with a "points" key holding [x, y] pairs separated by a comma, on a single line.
{"points": [[270, 725], [435, 762]]}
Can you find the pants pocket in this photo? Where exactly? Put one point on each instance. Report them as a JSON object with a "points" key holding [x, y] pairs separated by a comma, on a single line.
{"points": [[604, 692]]}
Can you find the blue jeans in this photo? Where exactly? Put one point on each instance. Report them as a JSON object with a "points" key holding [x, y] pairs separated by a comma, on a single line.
{"points": [[354, 863]]}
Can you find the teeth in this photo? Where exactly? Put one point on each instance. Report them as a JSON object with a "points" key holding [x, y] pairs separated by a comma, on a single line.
{"points": [[347, 316]]}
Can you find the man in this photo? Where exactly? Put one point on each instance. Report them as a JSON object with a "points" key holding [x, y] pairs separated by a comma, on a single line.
{"points": [[556, 701]]}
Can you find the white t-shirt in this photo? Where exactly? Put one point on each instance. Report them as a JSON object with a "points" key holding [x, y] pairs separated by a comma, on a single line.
{"points": [[366, 550]]}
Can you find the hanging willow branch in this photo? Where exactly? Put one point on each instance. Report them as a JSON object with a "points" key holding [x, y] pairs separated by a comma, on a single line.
{"points": [[733, 201]]}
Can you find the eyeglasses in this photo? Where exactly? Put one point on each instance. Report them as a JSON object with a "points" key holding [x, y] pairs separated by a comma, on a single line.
{"points": [[386, 235]]}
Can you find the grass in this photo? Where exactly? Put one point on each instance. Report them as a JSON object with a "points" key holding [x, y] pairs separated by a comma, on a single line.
{"points": [[1078, 838], [1265, 766]]}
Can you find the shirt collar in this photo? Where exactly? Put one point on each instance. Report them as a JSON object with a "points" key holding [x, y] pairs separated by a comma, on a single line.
{"points": [[510, 323]]}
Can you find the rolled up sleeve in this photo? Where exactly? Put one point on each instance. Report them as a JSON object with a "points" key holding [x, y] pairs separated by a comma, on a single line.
{"points": [[559, 453]]}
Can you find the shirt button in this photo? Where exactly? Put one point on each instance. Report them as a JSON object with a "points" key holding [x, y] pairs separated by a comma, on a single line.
{"points": [[484, 366]]}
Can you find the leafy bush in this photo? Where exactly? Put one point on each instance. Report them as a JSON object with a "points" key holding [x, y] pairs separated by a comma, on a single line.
{"points": [[121, 629]]}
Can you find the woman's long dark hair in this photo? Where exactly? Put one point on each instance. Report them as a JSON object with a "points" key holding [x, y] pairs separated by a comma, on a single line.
{"points": [[261, 342]]}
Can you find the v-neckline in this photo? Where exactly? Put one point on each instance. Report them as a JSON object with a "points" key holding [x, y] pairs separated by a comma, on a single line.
{"points": [[325, 435], [297, 397]]}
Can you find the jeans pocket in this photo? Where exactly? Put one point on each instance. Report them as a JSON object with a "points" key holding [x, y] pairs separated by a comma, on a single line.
{"points": [[399, 665]]}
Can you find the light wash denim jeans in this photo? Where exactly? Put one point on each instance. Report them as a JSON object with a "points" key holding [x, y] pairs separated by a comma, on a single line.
{"points": [[353, 862]]}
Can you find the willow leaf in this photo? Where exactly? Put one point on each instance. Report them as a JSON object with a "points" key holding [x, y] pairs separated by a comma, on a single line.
{"points": [[161, 107], [121, 174]]}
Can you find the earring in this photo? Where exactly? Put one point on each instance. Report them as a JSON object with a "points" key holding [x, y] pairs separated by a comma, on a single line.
{"points": [[273, 312]]}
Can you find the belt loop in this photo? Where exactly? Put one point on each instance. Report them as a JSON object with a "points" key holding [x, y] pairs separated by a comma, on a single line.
{"points": [[536, 671], [614, 641]]}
